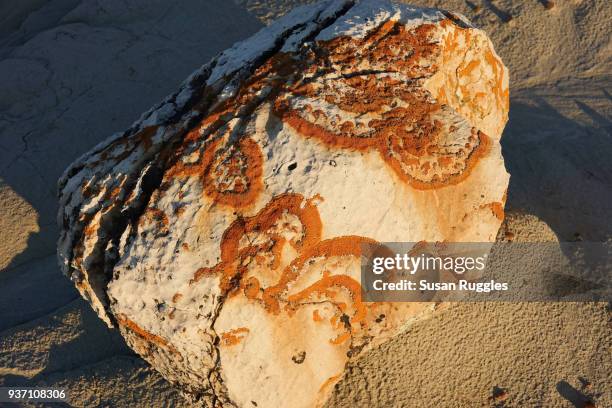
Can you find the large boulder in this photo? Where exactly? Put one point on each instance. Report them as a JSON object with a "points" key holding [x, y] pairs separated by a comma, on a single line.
{"points": [[222, 232]]}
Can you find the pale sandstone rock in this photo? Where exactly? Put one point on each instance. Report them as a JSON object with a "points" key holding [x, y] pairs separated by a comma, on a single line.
{"points": [[221, 233]]}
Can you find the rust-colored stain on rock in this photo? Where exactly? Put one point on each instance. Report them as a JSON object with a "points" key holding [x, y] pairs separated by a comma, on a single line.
{"points": [[150, 338], [400, 118], [381, 108], [231, 174], [246, 209], [233, 337]]}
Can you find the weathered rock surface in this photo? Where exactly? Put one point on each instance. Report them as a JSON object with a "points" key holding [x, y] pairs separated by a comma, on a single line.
{"points": [[221, 233]]}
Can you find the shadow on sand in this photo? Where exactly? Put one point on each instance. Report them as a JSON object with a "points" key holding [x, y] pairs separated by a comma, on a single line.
{"points": [[560, 169], [107, 67]]}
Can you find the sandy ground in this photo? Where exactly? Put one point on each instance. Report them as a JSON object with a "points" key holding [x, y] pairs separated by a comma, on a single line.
{"points": [[72, 72]]}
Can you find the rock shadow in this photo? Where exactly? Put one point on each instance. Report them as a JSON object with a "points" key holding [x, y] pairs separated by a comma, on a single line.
{"points": [[34, 150], [560, 169]]}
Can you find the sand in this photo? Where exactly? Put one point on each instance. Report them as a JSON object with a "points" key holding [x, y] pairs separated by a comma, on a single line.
{"points": [[75, 71]]}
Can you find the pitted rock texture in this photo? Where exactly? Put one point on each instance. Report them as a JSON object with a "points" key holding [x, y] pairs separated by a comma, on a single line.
{"points": [[222, 232]]}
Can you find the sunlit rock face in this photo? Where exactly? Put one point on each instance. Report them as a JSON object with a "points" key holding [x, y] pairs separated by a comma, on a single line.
{"points": [[222, 232]]}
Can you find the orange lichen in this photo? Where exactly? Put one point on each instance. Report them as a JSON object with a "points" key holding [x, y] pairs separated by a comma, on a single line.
{"points": [[398, 115], [321, 288], [231, 174], [471, 80], [154, 215], [148, 337], [329, 382], [235, 336], [386, 48], [201, 272], [406, 134], [240, 258], [469, 163], [234, 256], [90, 229], [267, 217], [234, 177], [496, 208], [471, 66], [177, 296], [336, 247], [502, 94], [340, 339], [239, 161], [251, 288]]}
